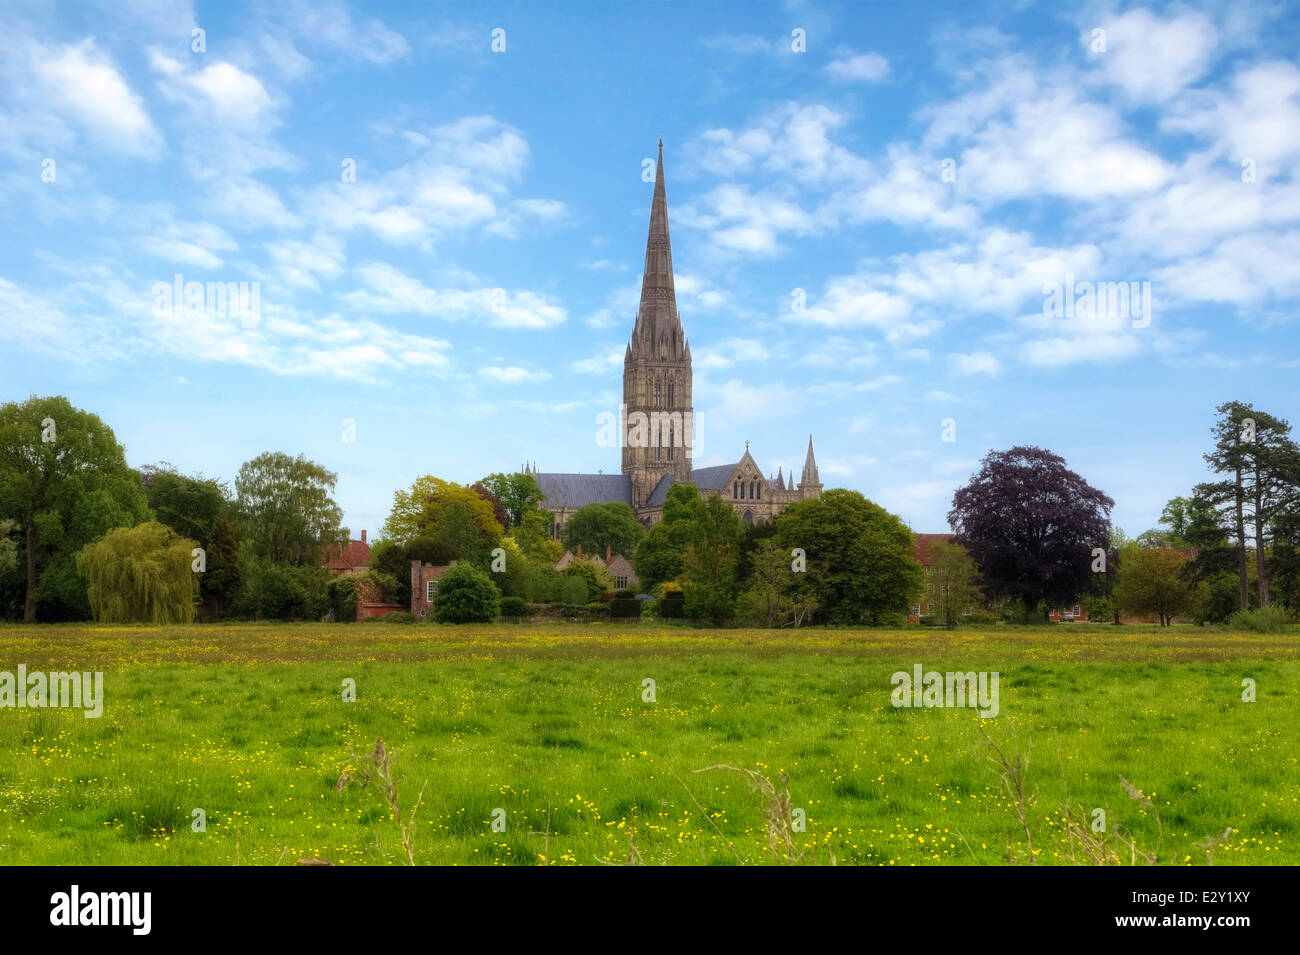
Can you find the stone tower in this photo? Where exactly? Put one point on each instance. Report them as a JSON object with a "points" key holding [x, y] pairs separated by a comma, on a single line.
{"points": [[810, 484], [657, 368]]}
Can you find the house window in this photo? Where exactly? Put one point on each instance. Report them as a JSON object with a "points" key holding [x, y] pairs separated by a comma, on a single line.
{"points": [[929, 588], [916, 610], [430, 590], [620, 582], [1076, 610], [966, 612]]}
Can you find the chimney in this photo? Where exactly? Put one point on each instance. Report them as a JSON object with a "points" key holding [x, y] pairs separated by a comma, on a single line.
{"points": [[363, 537], [608, 557], [579, 550]]}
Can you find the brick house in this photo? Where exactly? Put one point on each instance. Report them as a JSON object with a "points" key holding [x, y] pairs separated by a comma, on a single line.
{"points": [[350, 558], [619, 567], [424, 586], [922, 554]]}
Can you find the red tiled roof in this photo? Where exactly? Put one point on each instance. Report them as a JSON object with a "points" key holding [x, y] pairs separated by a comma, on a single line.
{"points": [[355, 554], [923, 542]]}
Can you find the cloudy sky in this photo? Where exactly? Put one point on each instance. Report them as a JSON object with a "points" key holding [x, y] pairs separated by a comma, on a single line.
{"points": [[870, 207]]}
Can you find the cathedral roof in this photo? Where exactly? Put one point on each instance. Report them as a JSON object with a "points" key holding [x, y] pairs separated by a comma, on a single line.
{"points": [[577, 490], [660, 493], [714, 478]]}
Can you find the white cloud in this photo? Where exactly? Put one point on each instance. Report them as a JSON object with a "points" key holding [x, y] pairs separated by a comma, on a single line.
{"points": [[390, 290], [1151, 58], [602, 363], [81, 82], [303, 264], [512, 374], [861, 67], [975, 363]]}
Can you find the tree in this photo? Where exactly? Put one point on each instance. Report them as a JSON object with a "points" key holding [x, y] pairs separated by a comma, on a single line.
{"points": [[596, 527], [534, 538], [709, 579], [64, 478], [1031, 524], [518, 494], [860, 559], [1260, 464], [285, 508], [1150, 581], [1099, 600], [140, 575], [466, 595], [952, 580], [191, 506], [660, 555], [420, 512], [498, 509], [8, 546], [772, 599], [222, 577]]}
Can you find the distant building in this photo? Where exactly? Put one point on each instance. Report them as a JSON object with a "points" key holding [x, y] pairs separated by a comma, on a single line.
{"points": [[424, 586], [619, 567], [657, 417], [350, 558]]}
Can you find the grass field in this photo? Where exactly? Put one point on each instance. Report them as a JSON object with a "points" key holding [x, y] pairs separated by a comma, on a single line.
{"points": [[548, 725]]}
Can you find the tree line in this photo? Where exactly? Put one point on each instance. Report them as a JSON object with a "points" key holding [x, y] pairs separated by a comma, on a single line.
{"points": [[83, 534]]}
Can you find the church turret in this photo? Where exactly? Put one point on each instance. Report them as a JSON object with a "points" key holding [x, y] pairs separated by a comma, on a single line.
{"points": [[657, 367], [810, 484]]}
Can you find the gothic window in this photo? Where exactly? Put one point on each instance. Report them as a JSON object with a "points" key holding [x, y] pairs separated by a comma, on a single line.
{"points": [[670, 451], [749, 517], [657, 392], [670, 395], [735, 490], [760, 490]]}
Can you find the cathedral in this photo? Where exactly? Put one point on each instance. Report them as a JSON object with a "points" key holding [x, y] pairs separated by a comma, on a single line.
{"points": [[655, 424]]}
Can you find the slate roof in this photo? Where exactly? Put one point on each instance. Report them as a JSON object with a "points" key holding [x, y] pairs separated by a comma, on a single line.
{"points": [[577, 490], [714, 478], [660, 493]]}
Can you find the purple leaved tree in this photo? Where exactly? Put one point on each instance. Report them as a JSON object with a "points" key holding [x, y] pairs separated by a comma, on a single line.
{"points": [[1031, 524]]}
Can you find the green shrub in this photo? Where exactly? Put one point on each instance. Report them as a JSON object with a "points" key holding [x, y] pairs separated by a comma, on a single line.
{"points": [[624, 607], [1261, 620], [570, 589], [466, 595], [673, 605], [343, 598], [513, 607]]}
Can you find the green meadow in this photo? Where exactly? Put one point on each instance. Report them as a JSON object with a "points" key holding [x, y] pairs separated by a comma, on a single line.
{"points": [[538, 745]]}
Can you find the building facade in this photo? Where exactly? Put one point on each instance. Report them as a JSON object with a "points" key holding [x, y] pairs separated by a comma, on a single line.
{"points": [[657, 416]]}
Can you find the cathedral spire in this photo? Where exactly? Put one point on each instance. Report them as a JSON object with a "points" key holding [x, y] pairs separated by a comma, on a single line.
{"points": [[809, 483], [658, 331]]}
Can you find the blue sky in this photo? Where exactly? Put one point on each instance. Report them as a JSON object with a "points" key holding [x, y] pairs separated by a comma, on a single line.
{"points": [[466, 300]]}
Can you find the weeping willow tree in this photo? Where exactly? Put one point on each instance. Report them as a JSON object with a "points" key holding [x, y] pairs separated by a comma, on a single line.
{"points": [[140, 574]]}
